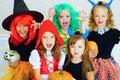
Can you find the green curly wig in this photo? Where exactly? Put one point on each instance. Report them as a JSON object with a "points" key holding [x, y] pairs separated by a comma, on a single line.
{"points": [[74, 23]]}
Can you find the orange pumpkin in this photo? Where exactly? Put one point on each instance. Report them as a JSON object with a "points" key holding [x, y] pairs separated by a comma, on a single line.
{"points": [[60, 75], [92, 45]]}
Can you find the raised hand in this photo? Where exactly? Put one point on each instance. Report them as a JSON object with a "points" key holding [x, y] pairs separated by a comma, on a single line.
{"points": [[51, 13], [83, 16]]}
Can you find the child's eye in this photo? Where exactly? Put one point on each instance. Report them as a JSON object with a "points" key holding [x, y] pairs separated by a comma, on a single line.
{"points": [[72, 46], [52, 37], [61, 16], [96, 16], [79, 46], [68, 16], [103, 16], [44, 36]]}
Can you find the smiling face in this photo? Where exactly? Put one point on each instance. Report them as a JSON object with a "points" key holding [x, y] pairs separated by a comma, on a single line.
{"points": [[22, 31], [100, 16], [48, 40], [64, 19], [77, 49]]}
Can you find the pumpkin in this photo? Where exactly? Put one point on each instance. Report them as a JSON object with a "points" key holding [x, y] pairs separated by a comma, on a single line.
{"points": [[60, 75], [92, 45], [11, 55]]}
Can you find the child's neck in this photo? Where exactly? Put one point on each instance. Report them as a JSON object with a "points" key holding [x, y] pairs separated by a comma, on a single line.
{"points": [[100, 27], [76, 60], [65, 31]]}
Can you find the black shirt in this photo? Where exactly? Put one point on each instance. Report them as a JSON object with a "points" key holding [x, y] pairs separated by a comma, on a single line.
{"points": [[105, 42], [23, 50]]}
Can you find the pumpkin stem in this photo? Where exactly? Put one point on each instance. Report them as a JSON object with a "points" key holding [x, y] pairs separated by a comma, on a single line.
{"points": [[61, 71]]}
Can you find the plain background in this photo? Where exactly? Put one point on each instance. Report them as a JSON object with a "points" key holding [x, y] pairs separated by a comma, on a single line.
{"points": [[6, 7]]}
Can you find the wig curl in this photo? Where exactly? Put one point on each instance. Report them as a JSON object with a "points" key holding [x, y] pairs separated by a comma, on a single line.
{"points": [[74, 22], [24, 19]]}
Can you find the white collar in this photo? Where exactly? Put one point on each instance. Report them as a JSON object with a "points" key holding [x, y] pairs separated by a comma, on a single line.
{"points": [[48, 53], [102, 30]]}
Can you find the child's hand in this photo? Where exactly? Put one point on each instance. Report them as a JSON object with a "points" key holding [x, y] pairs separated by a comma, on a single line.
{"points": [[51, 13], [83, 16], [14, 64], [93, 54], [35, 24], [73, 79]]}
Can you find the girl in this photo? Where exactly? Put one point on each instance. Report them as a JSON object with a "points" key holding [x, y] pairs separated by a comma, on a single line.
{"points": [[47, 56], [102, 31], [78, 62], [22, 39], [66, 19]]}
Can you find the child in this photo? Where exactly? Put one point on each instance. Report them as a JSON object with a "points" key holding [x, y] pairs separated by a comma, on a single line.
{"points": [[66, 19], [78, 62], [47, 56], [22, 39], [102, 31]]}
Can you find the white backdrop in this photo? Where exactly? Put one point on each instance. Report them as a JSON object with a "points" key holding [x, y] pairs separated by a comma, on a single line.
{"points": [[6, 7]]}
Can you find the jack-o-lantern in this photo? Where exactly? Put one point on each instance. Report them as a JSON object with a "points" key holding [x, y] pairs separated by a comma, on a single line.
{"points": [[11, 55], [92, 45], [60, 75]]}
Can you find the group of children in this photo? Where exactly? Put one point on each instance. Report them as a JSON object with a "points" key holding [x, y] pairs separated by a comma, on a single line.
{"points": [[60, 42]]}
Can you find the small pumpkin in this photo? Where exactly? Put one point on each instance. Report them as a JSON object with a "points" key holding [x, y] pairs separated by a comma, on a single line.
{"points": [[92, 45], [60, 75], [11, 55]]}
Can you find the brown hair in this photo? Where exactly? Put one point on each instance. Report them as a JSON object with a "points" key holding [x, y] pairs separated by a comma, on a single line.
{"points": [[56, 50], [110, 21], [86, 59]]}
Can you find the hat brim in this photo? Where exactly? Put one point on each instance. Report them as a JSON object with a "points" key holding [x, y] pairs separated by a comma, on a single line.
{"points": [[7, 21]]}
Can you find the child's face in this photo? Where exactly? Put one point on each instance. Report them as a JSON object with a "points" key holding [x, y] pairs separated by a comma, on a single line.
{"points": [[48, 40], [64, 19], [22, 31], [100, 16], [77, 49]]}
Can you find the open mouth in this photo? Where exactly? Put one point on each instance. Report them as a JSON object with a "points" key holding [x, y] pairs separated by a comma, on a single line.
{"points": [[65, 24], [48, 45]]}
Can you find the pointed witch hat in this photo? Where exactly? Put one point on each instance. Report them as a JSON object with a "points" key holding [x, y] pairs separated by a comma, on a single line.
{"points": [[19, 9]]}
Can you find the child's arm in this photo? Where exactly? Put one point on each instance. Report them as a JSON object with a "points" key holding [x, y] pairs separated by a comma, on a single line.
{"points": [[51, 13], [83, 29], [62, 60], [35, 62], [37, 74], [90, 75]]}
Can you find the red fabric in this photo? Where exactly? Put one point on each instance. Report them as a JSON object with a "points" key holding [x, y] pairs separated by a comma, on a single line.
{"points": [[48, 25], [44, 66], [26, 20]]}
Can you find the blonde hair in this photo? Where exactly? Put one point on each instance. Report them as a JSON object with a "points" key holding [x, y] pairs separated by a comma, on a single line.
{"points": [[110, 21]]}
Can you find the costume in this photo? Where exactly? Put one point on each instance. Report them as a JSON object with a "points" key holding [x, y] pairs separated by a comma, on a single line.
{"points": [[49, 64], [23, 71], [46, 66], [106, 36], [24, 68], [104, 64], [74, 23], [75, 69], [66, 37]]}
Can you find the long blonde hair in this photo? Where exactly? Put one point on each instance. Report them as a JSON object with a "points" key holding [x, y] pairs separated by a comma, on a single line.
{"points": [[110, 21]]}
